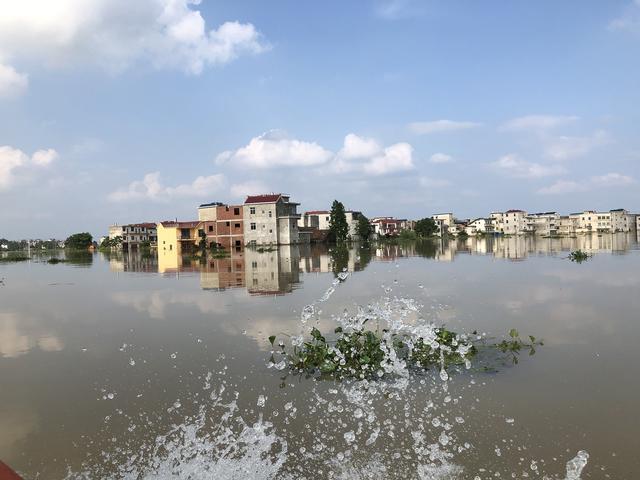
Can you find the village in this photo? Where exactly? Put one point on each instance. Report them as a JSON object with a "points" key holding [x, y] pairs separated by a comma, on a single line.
{"points": [[273, 219]]}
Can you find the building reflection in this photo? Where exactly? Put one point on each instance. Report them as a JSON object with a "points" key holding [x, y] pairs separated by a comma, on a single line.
{"points": [[277, 270]]}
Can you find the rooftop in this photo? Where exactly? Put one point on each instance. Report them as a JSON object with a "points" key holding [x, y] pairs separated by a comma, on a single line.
{"points": [[266, 198], [316, 212], [174, 224], [212, 204]]}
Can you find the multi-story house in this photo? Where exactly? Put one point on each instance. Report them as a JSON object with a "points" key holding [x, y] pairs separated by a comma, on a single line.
{"points": [[223, 225], [318, 219], [136, 234], [176, 236], [115, 231], [613, 221], [353, 218], [511, 222], [270, 219], [386, 226], [546, 223], [567, 225], [479, 226], [443, 222]]}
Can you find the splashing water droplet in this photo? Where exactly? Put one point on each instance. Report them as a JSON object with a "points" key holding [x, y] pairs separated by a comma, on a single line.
{"points": [[261, 401], [576, 465]]}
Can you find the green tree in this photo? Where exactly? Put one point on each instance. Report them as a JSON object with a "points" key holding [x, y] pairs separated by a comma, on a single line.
{"points": [[426, 227], [363, 228], [338, 227], [79, 241]]}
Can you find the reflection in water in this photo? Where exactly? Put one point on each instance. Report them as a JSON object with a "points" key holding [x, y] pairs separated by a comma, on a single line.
{"points": [[277, 271]]}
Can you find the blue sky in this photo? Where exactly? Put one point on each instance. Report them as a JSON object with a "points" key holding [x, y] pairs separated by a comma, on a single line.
{"points": [[110, 113]]}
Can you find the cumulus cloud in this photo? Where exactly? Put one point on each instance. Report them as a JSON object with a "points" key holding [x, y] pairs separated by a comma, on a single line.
{"points": [[599, 181], [152, 188], [368, 156], [514, 166], [441, 158], [537, 122], [438, 126], [275, 149], [16, 167], [115, 34], [564, 148], [12, 83]]}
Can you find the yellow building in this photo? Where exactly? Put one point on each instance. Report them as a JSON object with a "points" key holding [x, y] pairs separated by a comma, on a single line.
{"points": [[178, 236]]}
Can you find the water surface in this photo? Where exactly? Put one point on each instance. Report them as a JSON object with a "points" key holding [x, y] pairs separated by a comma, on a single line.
{"points": [[116, 365]]}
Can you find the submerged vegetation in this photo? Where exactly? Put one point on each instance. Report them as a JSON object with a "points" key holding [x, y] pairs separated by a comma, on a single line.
{"points": [[360, 353], [579, 256], [14, 258]]}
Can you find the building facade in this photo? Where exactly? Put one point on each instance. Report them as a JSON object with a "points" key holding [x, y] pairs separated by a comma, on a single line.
{"points": [[270, 219], [223, 225]]}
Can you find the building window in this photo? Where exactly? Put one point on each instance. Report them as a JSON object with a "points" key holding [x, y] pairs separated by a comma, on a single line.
{"points": [[269, 213], [252, 210], [236, 211], [211, 228], [253, 226], [237, 225], [228, 224]]}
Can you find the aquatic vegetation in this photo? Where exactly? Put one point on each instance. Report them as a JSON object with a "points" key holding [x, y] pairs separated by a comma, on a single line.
{"points": [[14, 258], [361, 353], [56, 260], [579, 256]]}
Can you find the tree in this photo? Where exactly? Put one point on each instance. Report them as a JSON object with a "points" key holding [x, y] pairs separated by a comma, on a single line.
{"points": [[79, 241], [426, 227], [338, 227], [363, 228]]}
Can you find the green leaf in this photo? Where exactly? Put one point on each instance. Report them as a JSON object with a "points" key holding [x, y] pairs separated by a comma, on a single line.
{"points": [[513, 333], [338, 330], [272, 339]]}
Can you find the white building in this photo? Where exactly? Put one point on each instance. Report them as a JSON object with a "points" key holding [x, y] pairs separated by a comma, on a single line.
{"points": [[319, 219], [479, 226], [270, 220], [545, 224], [613, 221], [443, 221], [511, 222]]}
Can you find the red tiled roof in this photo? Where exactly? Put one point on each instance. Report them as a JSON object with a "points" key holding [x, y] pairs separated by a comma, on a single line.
{"points": [[273, 197], [316, 212], [172, 223]]}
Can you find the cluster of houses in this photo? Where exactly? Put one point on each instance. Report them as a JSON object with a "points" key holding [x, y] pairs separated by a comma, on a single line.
{"points": [[272, 219], [519, 222]]}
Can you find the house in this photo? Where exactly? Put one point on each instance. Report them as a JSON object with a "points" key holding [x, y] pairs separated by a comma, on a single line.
{"points": [[511, 222], [174, 236], [353, 217], [135, 234], [544, 223], [386, 226], [613, 221], [443, 222], [223, 224], [318, 219], [116, 231], [270, 219], [479, 226]]}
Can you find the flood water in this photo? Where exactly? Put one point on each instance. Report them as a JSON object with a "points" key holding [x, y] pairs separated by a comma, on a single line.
{"points": [[129, 366]]}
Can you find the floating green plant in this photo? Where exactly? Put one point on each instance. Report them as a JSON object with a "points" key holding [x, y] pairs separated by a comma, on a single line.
{"points": [[360, 353], [579, 256]]}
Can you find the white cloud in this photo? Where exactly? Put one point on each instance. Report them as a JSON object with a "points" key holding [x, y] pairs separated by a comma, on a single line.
{"points": [[601, 181], [12, 83], [151, 188], [359, 147], [537, 122], [251, 187], [629, 21], [16, 167], [438, 126], [115, 34], [434, 182], [43, 158], [274, 149], [564, 148], [441, 158], [366, 155], [514, 166], [396, 158]]}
